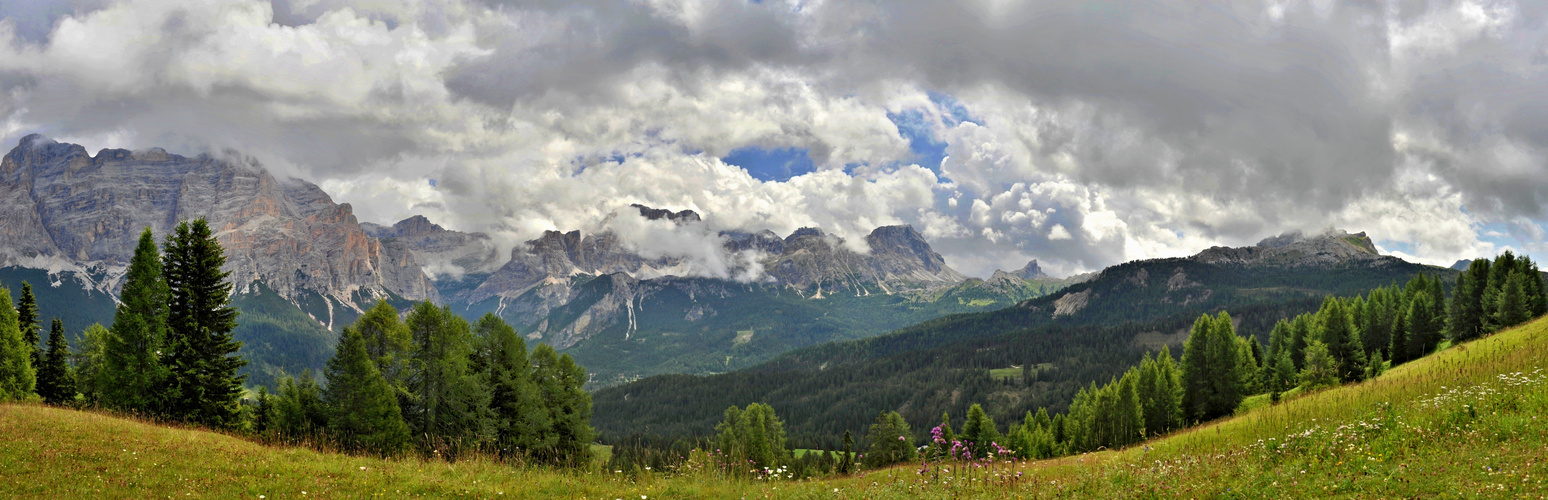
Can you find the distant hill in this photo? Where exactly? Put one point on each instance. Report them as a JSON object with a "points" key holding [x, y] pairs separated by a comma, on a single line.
{"points": [[1037, 353]]}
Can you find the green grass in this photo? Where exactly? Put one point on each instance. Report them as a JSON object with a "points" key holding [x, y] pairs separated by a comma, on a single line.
{"points": [[1467, 422]]}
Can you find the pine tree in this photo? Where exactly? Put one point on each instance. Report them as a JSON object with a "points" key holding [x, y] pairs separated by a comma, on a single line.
{"points": [[88, 359], [203, 383], [28, 321], [559, 381], [1300, 335], [56, 383], [133, 375], [520, 419], [363, 409], [299, 412], [18, 379]]}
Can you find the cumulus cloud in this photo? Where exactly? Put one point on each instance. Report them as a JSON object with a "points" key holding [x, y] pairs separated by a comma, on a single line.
{"points": [[1078, 134]]}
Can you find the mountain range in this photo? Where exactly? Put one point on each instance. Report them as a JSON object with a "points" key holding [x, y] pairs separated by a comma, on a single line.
{"points": [[304, 266]]}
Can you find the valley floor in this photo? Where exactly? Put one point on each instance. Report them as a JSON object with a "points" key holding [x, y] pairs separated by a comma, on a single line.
{"points": [[1467, 422]]}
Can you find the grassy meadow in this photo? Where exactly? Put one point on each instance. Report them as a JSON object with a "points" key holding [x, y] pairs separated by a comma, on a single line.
{"points": [[1470, 421]]}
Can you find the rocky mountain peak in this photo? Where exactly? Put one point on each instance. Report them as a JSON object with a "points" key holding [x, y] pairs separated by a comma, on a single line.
{"points": [[1298, 249], [903, 242], [59, 202], [658, 214], [1027, 272]]}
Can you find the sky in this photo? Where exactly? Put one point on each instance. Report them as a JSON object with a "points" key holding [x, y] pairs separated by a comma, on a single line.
{"points": [[1080, 134]]}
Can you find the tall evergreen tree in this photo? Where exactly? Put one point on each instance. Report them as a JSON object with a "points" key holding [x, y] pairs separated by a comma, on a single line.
{"points": [[1465, 307], [1321, 367], [363, 409], [847, 463], [88, 359], [18, 379], [31, 327], [1225, 358], [133, 375], [56, 383], [1513, 308], [1424, 327], [451, 403], [1160, 392], [559, 381], [202, 369], [390, 346], [520, 418], [1342, 341], [1198, 390], [299, 411], [1300, 335], [979, 432], [891, 441]]}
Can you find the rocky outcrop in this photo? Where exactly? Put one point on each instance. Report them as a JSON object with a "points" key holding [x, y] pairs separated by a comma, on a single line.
{"points": [[899, 260], [58, 201], [1334, 247], [440, 251]]}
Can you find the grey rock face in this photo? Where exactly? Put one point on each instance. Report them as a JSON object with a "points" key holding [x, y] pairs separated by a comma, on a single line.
{"points": [[59, 202], [442, 252], [1295, 249]]}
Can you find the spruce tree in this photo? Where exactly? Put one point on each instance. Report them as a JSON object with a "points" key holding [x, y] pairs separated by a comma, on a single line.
{"points": [[32, 330], [520, 418], [203, 385], [299, 412], [1341, 339], [56, 383], [264, 414], [363, 409], [847, 463], [979, 432], [1424, 328], [1513, 307], [133, 376], [1399, 348], [18, 379]]}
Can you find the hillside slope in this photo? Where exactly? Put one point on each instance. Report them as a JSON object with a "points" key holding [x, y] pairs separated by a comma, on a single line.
{"points": [[1464, 422], [1086, 332]]}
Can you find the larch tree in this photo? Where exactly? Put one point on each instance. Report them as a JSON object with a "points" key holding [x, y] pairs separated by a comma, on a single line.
{"points": [[88, 358], [133, 376], [519, 417], [363, 411], [18, 378], [559, 381]]}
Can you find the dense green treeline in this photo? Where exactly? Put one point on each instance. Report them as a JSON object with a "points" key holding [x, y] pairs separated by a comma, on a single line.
{"points": [[439, 385], [433, 382], [169, 353]]}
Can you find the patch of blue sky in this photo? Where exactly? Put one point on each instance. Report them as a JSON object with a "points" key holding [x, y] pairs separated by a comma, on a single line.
{"points": [[772, 164]]}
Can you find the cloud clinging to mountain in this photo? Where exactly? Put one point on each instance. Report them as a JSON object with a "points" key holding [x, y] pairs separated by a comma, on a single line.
{"points": [[1081, 134]]}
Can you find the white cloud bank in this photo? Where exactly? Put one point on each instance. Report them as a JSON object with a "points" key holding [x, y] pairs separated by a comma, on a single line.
{"points": [[1077, 135]]}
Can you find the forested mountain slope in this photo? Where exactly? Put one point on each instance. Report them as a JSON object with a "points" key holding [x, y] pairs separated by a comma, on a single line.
{"points": [[1036, 354]]}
